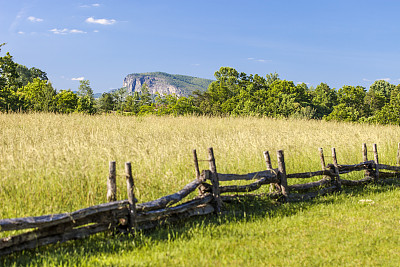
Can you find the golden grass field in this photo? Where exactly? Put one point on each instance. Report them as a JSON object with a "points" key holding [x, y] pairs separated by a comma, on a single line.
{"points": [[58, 163]]}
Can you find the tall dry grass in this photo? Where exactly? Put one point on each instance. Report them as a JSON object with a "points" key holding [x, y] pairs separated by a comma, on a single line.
{"points": [[57, 163]]}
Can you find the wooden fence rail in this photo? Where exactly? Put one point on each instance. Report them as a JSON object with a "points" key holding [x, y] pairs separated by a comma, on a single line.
{"points": [[130, 216]]}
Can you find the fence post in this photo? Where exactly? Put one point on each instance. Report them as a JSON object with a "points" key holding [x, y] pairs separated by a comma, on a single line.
{"points": [[214, 181], [375, 149], [398, 154], [130, 186], [269, 168], [323, 164], [111, 183], [335, 164], [282, 175], [365, 158], [197, 171]]}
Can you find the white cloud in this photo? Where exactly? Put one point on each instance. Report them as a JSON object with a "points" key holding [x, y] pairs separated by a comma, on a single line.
{"points": [[196, 64], [66, 31], [78, 79], [20, 32], [101, 21], [366, 80], [33, 19], [92, 5], [76, 31], [259, 60], [96, 31]]}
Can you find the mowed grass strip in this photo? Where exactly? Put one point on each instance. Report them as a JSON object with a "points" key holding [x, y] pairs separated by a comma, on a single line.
{"points": [[359, 228], [58, 163]]}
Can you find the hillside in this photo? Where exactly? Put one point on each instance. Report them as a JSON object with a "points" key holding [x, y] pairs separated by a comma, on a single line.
{"points": [[165, 83]]}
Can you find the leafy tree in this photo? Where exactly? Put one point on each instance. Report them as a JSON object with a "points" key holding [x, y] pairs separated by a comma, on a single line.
{"points": [[323, 99], [350, 104], [342, 112], [39, 95], [374, 101], [383, 88], [9, 84], [119, 96], [390, 112], [145, 96], [106, 102], [132, 103], [27, 75], [86, 103], [272, 77], [66, 101]]}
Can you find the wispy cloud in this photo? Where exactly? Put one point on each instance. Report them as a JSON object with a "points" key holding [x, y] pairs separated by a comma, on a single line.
{"points": [[78, 79], [33, 19], [366, 80], [17, 19], [196, 64], [77, 31], [66, 31], [92, 5], [258, 60], [21, 32], [101, 21]]}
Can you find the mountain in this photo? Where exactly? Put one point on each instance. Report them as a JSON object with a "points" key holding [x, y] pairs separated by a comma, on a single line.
{"points": [[165, 83]]}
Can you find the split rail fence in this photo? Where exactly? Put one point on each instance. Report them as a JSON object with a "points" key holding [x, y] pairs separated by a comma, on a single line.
{"points": [[130, 216]]}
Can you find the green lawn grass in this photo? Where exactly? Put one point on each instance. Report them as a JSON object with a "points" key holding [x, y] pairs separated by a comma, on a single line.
{"points": [[59, 163], [356, 228]]}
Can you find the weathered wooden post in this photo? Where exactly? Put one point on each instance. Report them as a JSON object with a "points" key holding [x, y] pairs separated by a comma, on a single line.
{"points": [[323, 165], [269, 168], [365, 152], [336, 166], [130, 186], [197, 171], [398, 154], [282, 175], [375, 149], [111, 183], [214, 181], [365, 158]]}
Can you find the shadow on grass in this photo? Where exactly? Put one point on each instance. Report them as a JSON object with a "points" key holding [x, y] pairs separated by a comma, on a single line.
{"points": [[77, 252]]}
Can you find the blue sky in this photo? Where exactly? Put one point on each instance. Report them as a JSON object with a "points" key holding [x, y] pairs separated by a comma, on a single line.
{"points": [[336, 42]]}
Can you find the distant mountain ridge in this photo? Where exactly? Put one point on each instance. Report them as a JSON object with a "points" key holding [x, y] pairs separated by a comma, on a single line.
{"points": [[164, 83]]}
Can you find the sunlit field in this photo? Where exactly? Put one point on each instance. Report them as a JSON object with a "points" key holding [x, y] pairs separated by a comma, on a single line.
{"points": [[59, 163]]}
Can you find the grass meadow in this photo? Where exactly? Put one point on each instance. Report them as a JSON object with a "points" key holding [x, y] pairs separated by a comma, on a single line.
{"points": [[59, 163]]}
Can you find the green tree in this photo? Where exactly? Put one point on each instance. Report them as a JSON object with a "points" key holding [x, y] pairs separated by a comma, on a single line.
{"points": [[145, 96], [9, 84], [66, 101], [27, 75], [119, 96], [350, 106], [86, 103], [382, 87], [106, 102], [324, 99], [39, 95], [132, 103]]}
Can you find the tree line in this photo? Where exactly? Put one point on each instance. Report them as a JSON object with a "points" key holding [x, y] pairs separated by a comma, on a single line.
{"points": [[231, 94]]}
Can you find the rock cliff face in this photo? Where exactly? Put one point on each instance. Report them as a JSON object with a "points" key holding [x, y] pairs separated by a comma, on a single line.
{"points": [[165, 83]]}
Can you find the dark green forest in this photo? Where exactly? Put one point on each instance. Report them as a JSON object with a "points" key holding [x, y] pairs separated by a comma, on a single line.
{"points": [[233, 93]]}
